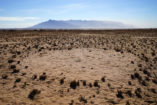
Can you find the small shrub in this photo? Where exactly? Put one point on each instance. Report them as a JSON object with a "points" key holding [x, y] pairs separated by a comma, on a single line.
{"points": [[73, 84], [153, 91], [96, 84], [13, 56], [26, 67], [105, 48], [137, 75], [132, 76], [153, 54], [84, 83], [109, 85], [18, 80], [154, 81], [129, 93], [4, 76], [139, 65], [18, 62], [70, 48], [82, 99], [10, 61], [34, 77], [103, 79], [117, 50], [62, 81], [90, 85], [43, 77], [145, 71], [15, 71], [138, 92], [33, 93], [72, 102], [120, 94], [147, 79], [129, 83], [144, 83], [132, 62], [12, 66]]}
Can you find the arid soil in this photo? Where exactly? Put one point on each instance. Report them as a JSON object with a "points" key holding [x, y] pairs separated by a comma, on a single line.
{"points": [[78, 67]]}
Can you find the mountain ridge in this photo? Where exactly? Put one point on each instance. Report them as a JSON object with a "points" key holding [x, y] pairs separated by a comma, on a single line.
{"points": [[80, 24]]}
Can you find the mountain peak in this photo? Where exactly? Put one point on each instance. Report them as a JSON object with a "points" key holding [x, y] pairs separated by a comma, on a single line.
{"points": [[50, 20]]}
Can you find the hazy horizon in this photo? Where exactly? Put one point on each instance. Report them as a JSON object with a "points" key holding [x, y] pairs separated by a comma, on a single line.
{"points": [[21, 14]]}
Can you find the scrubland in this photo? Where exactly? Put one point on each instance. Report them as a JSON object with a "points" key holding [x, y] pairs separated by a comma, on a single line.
{"points": [[78, 67]]}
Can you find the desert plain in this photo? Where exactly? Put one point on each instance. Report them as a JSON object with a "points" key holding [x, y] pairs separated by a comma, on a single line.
{"points": [[78, 67]]}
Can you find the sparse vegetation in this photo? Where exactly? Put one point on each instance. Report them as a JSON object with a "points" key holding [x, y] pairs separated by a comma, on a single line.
{"points": [[122, 72]]}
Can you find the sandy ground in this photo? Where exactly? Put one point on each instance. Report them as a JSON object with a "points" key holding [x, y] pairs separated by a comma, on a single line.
{"points": [[76, 76]]}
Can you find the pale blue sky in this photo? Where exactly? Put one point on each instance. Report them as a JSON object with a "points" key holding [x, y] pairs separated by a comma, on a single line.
{"points": [[25, 13]]}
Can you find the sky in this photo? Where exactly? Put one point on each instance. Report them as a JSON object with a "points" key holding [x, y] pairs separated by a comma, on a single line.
{"points": [[26, 13]]}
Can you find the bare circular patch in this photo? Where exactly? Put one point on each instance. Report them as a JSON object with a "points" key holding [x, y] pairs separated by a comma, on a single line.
{"points": [[85, 64]]}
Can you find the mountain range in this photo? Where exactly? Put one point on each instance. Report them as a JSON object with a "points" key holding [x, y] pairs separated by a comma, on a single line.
{"points": [[80, 24]]}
